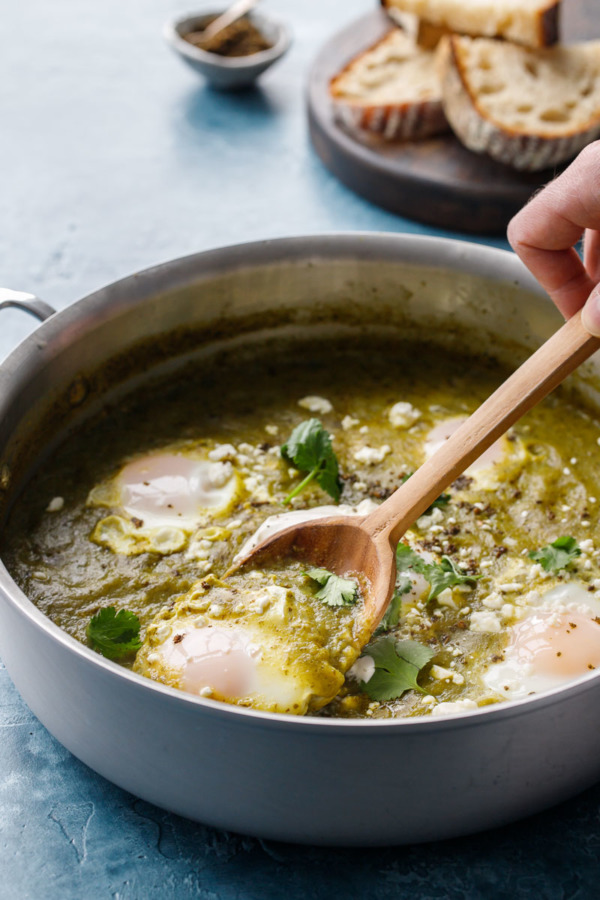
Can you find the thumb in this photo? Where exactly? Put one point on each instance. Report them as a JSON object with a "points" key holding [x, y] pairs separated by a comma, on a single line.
{"points": [[590, 316]]}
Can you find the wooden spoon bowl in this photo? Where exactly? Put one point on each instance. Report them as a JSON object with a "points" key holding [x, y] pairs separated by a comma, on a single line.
{"points": [[365, 547]]}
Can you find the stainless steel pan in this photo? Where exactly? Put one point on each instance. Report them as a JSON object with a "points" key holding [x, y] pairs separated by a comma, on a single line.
{"points": [[270, 775]]}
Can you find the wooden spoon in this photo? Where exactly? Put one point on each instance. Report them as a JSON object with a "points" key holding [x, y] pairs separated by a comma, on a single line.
{"points": [[365, 547]]}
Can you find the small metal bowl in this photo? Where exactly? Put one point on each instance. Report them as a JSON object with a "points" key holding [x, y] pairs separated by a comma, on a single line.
{"points": [[227, 72]]}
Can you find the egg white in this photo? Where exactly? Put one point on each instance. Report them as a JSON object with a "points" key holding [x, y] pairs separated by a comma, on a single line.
{"points": [[486, 470], [160, 499]]}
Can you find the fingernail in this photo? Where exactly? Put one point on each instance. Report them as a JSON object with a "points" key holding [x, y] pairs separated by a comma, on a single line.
{"points": [[590, 317]]}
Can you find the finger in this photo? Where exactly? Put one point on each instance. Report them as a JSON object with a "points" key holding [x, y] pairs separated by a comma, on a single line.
{"points": [[543, 232], [591, 254], [590, 317]]}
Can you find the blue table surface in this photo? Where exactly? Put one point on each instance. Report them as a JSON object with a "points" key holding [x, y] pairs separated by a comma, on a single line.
{"points": [[113, 157]]}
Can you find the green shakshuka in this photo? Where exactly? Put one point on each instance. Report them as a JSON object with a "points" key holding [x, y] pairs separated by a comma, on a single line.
{"points": [[125, 536]]}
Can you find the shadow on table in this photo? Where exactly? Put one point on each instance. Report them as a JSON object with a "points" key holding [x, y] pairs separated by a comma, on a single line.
{"points": [[205, 108]]}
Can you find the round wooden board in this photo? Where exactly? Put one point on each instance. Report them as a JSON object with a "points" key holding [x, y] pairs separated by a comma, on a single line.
{"points": [[436, 181]]}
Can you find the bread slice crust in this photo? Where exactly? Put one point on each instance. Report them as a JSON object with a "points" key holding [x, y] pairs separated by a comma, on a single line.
{"points": [[391, 90], [534, 23], [543, 113]]}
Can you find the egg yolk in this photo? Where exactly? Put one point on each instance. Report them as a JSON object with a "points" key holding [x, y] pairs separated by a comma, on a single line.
{"points": [[229, 663], [565, 644], [220, 659]]}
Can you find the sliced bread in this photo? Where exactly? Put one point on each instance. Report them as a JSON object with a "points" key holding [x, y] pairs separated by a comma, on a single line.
{"points": [[426, 34], [527, 108], [391, 90], [530, 22]]}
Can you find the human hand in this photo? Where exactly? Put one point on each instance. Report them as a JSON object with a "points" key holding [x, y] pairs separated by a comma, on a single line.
{"points": [[544, 233]]}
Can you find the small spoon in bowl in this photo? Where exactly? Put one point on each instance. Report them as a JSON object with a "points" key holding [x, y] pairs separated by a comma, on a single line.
{"points": [[231, 15], [365, 547]]}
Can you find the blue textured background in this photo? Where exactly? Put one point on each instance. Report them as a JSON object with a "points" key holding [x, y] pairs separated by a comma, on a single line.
{"points": [[113, 157]]}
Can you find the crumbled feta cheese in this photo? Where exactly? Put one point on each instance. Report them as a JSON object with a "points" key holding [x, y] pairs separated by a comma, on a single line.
{"points": [[56, 504], [272, 429], [493, 601], [442, 674], [510, 587], [428, 699], [205, 692], [363, 668], [446, 599], [485, 621], [453, 706], [364, 429], [507, 611], [372, 455], [531, 598], [222, 452], [403, 415], [315, 404], [435, 516], [349, 422]]}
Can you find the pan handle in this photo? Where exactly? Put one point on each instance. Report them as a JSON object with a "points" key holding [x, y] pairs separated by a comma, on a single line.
{"points": [[27, 302]]}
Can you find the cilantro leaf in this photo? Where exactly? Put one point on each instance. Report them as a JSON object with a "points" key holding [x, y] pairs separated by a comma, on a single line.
{"points": [[392, 614], [439, 503], [309, 450], [335, 591], [114, 634], [439, 575], [446, 575], [397, 666], [406, 558], [557, 555]]}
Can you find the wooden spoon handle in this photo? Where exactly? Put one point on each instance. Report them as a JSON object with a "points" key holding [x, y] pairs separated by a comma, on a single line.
{"points": [[541, 373]]}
